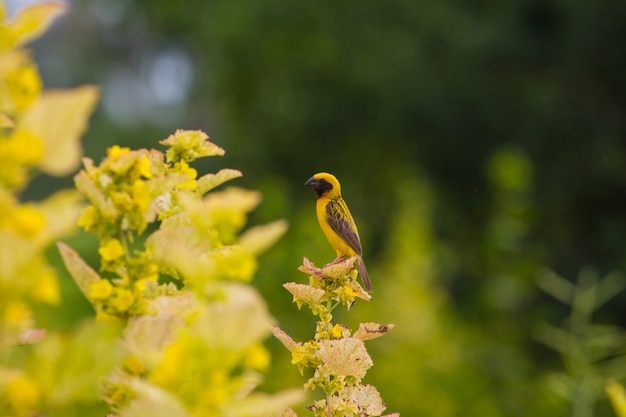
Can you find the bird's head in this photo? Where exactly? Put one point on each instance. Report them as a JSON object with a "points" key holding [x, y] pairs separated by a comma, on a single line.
{"points": [[325, 184]]}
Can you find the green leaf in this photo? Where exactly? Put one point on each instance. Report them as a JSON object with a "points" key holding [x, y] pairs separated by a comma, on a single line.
{"points": [[556, 286], [556, 338]]}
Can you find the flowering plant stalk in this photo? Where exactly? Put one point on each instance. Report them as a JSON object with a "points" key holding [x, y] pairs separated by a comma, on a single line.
{"points": [[337, 355], [174, 268]]}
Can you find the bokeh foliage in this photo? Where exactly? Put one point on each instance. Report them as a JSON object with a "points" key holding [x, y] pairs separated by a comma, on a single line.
{"points": [[475, 143]]}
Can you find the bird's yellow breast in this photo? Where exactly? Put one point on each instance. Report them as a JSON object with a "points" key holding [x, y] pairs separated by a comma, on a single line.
{"points": [[340, 246]]}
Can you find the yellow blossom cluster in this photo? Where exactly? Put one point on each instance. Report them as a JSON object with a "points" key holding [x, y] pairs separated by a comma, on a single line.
{"points": [[197, 237], [36, 127], [198, 337]]}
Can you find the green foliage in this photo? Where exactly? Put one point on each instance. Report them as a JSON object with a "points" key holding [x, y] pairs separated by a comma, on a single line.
{"points": [[593, 354]]}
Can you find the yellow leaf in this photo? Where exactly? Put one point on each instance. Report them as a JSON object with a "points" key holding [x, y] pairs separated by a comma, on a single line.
{"points": [[148, 336], [60, 211], [366, 397], [82, 273], [151, 400], [34, 20], [347, 357], [22, 392], [261, 405], [182, 305], [59, 118], [210, 181], [305, 293], [237, 321], [617, 395], [289, 413], [259, 238]]}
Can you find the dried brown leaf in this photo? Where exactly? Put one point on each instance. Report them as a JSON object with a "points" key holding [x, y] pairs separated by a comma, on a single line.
{"points": [[372, 330]]}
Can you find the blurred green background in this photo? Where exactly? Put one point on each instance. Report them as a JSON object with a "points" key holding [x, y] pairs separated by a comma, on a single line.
{"points": [[477, 143]]}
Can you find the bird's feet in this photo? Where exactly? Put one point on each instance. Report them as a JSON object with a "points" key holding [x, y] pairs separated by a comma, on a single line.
{"points": [[338, 260]]}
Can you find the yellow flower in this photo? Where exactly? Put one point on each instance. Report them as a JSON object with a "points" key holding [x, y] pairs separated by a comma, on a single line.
{"points": [[22, 392], [173, 359], [47, 288], [298, 355], [111, 250], [133, 365], [16, 313], [141, 194], [103, 317], [187, 185], [28, 148], [24, 86], [122, 200], [116, 151], [143, 166], [88, 218], [350, 292], [337, 332], [258, 357], [188, 145], [122, 299], [100, 290], [183, 168], [28, 221]]}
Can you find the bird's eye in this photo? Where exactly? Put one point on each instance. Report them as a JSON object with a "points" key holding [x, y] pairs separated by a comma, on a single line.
{"points": [[325, 185]]}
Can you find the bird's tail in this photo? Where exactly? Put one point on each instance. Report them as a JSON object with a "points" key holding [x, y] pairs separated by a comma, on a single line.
{"points": [[364, 275]]}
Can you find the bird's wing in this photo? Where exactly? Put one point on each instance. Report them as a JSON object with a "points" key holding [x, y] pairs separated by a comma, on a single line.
{"points": [[340, 220]]}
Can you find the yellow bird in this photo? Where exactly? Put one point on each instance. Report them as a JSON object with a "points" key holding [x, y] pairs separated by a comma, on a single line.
{"points": [[337, 222]]}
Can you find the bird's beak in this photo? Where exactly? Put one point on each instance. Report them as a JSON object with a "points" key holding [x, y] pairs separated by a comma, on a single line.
{"points": [[311, 182]]}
